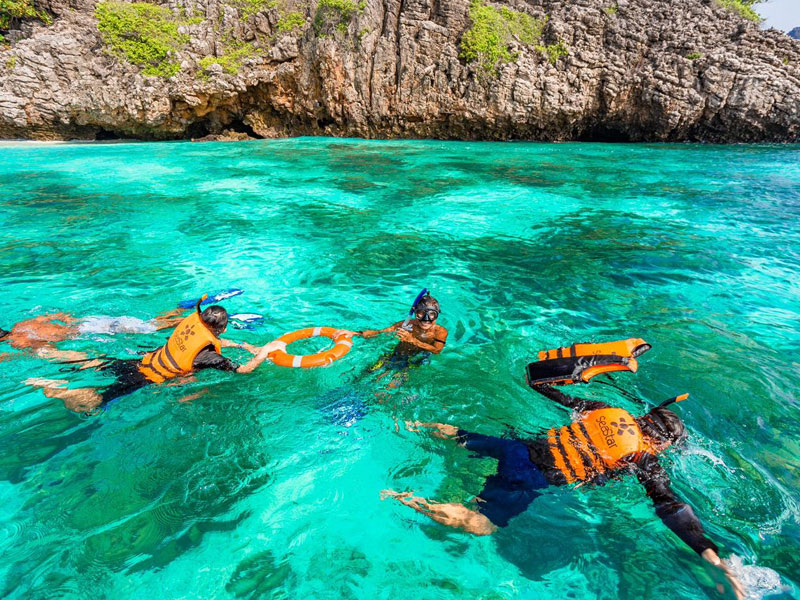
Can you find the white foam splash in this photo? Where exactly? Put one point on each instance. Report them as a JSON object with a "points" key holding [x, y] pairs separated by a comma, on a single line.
{"points": [[758, 581], [715, 460]]}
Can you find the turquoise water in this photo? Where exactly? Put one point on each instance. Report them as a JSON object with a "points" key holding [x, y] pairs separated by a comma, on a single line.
{"points": [[268, 485]]}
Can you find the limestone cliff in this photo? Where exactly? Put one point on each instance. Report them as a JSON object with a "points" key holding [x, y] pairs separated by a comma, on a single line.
{"points": [[633, 70]]}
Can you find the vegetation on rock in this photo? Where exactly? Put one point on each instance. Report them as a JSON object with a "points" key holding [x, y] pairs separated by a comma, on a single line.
{"points": [[14, 11], [694, 55], [488, 41], [744, 8], [291, 21], [249, 8], [142, 34], [231, 61], [338, 13]]}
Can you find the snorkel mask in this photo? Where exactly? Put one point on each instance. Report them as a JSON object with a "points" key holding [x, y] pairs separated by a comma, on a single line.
{"points": [[427, 315], [417, 300]]}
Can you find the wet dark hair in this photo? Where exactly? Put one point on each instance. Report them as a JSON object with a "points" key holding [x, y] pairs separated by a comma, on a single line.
{"points": [[216, 317], [4, 334], [663, 424], [428, 303]]}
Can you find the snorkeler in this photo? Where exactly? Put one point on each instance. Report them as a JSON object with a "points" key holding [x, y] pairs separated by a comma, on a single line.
{"points": [[39, 335], [194, 345], [601, 443], [419, 337]]}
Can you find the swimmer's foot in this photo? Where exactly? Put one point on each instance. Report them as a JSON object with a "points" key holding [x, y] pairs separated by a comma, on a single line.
{"points": [[406, 498], [392, 494], [41, 382]]}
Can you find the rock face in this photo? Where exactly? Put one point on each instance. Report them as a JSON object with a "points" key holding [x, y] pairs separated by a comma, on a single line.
{"points": [[637, 70]]}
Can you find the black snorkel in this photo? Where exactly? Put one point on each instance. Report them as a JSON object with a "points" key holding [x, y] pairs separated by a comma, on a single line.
{"points": [[200, 314], [669, 401], [419, 297], [654, 420]]}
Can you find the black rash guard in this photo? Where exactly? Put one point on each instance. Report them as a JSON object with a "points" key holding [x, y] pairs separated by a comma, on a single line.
{"points": [[208, 358], [676, 515]]}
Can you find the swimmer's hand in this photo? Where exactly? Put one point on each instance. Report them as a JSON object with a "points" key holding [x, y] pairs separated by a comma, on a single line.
{"points": [[272, 347], [404, 336], [345, 332], [711, 557]]}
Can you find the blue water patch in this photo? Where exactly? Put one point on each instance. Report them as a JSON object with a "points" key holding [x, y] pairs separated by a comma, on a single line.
{"points": [[268, 484]]}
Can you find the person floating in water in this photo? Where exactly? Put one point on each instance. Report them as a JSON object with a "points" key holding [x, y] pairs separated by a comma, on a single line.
{"points": [[419, 337], [194, 345], [39, 335], [601, 443]]}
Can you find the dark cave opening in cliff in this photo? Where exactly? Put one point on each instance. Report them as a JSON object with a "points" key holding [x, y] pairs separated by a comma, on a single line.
{"points": [[239, 126], [604, 133], [213, 126], [104, 135]]}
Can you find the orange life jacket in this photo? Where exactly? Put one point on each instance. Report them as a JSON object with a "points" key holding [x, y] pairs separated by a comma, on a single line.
{"points": [[580, 362], [175, 358], [597, 442]]}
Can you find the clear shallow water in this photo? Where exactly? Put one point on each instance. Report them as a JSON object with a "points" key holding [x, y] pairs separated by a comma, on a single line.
{"points": [[268, 486]]}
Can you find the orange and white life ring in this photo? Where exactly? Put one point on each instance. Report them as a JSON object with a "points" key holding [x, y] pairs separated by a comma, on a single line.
{"points": [[342, 345]]}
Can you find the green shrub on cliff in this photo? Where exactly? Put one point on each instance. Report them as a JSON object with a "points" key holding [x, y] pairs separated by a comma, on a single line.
{"points": [[489, 38], [14, 11], [231, 61], [336, 12], [249, 8], [744, 8], [142, 34], [290, 22]]}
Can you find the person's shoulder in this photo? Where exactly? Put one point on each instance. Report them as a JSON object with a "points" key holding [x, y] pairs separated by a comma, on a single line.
{"points": [[441, 329]]}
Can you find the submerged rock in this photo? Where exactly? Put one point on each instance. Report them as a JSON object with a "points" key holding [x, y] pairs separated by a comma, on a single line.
{"points": [[635, 70]]}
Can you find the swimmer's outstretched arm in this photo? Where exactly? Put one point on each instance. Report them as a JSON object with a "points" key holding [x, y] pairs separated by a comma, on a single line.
{"points": [[262, 355], [226, 343], [371, 333], [680, 517], [579, 404], [443, 430]]}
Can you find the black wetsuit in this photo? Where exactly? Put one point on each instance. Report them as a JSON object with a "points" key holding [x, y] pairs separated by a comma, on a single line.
{"points": [[525, 467], [129, 378]]}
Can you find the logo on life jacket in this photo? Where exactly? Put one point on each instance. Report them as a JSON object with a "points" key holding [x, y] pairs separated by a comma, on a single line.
{"points": [[606, 431], [175, 358]]}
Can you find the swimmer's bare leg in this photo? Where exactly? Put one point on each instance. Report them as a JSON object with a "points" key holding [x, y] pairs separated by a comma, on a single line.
{"points": [[170, 319], [450, 514], [77, 400], [51, 353], [61, 316]]}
